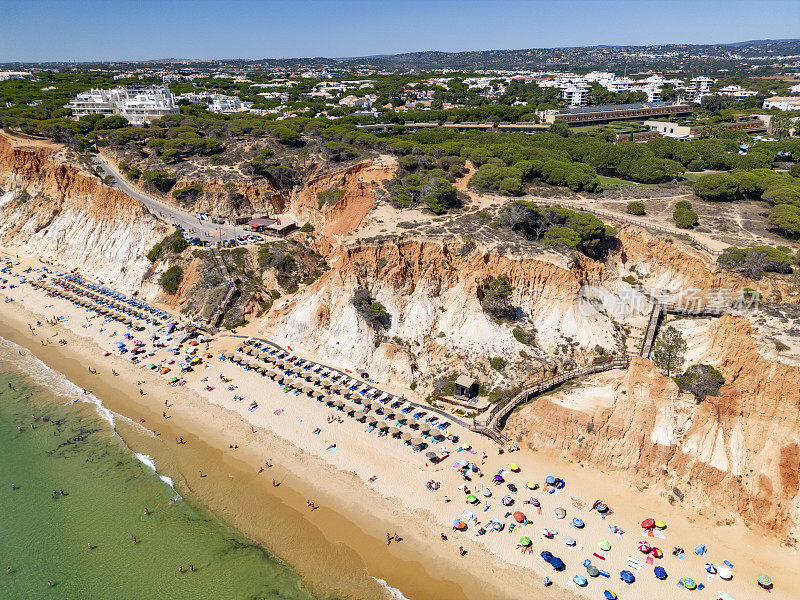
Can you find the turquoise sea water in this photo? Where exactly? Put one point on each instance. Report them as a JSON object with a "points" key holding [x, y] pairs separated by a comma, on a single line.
{"points": [[106, 489]]}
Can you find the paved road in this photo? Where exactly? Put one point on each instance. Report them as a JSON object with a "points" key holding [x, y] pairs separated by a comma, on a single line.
{"points": [[205, 230]]}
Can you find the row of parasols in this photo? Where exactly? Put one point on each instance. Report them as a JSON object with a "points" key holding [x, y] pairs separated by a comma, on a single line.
{"points": [[86, 303], [108, 302], [114, 295], [422, 430]]}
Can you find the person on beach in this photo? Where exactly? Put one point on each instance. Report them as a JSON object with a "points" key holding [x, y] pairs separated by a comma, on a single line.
{"points": [[49, 583], [180, 569]]}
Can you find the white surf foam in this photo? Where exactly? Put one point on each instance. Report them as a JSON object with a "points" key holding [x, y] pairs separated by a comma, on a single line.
{"points": [[149, 462], [391, 592]]}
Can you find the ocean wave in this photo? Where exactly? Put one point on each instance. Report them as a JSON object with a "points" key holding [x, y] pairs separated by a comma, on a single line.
{"points": [[149, 462], [391, 592], [30, 366]]}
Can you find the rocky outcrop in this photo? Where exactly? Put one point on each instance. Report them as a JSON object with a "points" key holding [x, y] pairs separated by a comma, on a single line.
{"points": [[57, 210], [732, 454], [430, 287]]}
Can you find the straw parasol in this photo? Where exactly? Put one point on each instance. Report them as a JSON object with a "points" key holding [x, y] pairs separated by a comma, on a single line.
{"points": [[382, 425], [405, 436], [316, 379], [412, 423], [424, 429], [359, 415], [375, 405], [338, 403], [371, 419], [306, 390], [417, 442], [393, 431], [318, 394]]}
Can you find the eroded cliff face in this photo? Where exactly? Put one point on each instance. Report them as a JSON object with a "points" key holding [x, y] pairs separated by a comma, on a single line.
{"points": [[734, 454], [55, 210], [433, 286]]}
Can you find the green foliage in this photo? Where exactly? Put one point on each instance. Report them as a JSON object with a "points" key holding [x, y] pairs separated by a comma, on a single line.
{"points": [[785, 219], [178, 244], [701, 381], [162, 180], [373, 312], [275, 294], [635, 208], [795, 170], [495, 294], [684, 216], [668, 350], [155, 251], [331, 196], [307, 228], [558, 226], [171, 279], [109, 180], [523, 337], [497, 363], [188, 193], [717, 187], [757, 260]]}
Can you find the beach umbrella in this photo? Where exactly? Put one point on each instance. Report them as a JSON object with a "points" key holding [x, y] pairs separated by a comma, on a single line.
{"points": [[660, 525], [648, 524], [660, 573], [486, 492], [459, 524], [393, 431], [431, 455], [580, 580], [689, 583], [569, 541], [643, 547], [546, 556], [627, 576], [405, 436], [417, 441], [338, 404], [307, 390], [425, 429], [609, 595], [513, 467], [700, 550], [383, 425], [656, 552], [592, 570], [525, 541], [710, 568], [724, 573], [412, 423], [472, 499], [560, 512], [370, 419], [376, 406], [388, 414], [557, 563], [550, 480], [507, 500], [318, 395], [519, 516], [499, 478], [532, 486], [764, 581]]}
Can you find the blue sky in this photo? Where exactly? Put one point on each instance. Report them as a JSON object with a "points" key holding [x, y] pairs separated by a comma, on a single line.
{"points": [[37, 30]]}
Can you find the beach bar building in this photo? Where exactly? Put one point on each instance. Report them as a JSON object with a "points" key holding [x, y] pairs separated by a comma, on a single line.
{"points": [[465, 388]]}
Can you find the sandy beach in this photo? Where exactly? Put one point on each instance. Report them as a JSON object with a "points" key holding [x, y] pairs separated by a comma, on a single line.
{"points": [[341, 546]]}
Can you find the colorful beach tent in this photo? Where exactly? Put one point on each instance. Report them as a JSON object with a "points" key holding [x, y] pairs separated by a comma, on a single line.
{"points": [[604, 545], [689, 583], [660, 573], [609, 595], [580, 580]]}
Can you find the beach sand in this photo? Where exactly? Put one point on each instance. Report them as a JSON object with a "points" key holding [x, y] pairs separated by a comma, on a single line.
{"points": [[342, 545]]}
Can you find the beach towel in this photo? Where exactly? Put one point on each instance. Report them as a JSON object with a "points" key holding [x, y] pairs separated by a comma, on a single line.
{"points": [[682, 556], [600, 556], [649, 560], [277, 412], [634, 564]]}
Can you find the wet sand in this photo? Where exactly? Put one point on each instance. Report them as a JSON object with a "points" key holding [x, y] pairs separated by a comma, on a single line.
{"points": [[336, 552]]}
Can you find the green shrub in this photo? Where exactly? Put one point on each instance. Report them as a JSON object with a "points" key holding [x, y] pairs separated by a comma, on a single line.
{"points": [[685, 218], [188, 193], [701, 381], [522, 336], [178, 244], [171, 279], [785, 219], [635, 208], [307, 228], [629, 279], [717, 187], [497, 363], [756, 260]]}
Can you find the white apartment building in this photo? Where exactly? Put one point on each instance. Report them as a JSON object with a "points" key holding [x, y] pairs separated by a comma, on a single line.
{"points": [[137, 104], [782, 103], [736, 92], [217, 103], [575, 96], [9, 75]]}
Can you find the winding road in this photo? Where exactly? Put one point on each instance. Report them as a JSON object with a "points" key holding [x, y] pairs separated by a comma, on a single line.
{"points": [[205, 230]]}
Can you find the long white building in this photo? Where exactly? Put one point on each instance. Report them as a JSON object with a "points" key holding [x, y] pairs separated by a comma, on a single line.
{"points": [[137, 104], [218, 103]]}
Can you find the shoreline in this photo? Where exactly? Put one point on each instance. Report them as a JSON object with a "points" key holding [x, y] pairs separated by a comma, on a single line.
{"points": [[328, 541], [344, 538]]}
